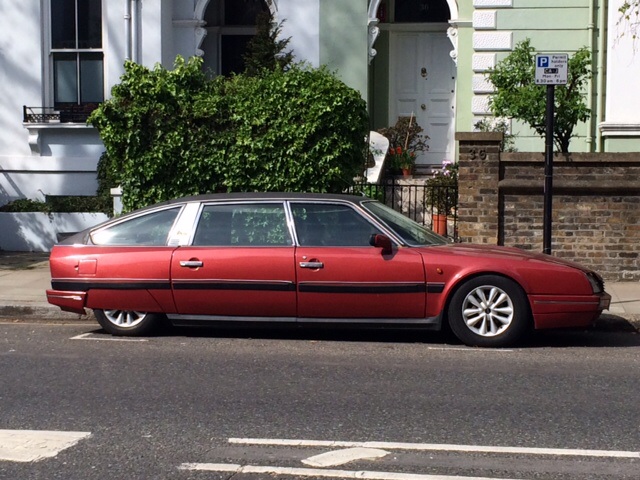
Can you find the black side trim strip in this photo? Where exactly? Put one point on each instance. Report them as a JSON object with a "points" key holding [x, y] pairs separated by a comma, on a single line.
{"points": [[128, 285], [252, 286], [435, 287], [371, 289]]}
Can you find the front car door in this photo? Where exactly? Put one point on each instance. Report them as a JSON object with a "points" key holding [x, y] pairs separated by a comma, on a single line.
{"points": [[238, 266], [341, 276]]}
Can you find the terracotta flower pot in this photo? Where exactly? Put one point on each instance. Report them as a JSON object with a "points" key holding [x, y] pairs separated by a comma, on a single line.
{"points": [[440, 224]]}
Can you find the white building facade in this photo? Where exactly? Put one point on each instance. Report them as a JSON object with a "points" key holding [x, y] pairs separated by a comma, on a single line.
{"points": [[60, 58]]}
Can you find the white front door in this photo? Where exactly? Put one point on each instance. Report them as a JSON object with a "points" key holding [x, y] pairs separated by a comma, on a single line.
{"points": [[423, 83]]}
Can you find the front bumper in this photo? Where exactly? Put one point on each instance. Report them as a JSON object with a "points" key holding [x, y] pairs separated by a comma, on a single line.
{"points": [[559, 311]]}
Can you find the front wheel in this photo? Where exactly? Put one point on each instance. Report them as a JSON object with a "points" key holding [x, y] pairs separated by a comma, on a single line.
{"points": [[489, 311], [127, 322]]}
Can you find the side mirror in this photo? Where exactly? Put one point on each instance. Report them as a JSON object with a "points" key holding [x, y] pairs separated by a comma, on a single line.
{"points": [[381, 241]]}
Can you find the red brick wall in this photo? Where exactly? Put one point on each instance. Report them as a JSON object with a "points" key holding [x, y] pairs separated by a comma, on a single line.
{"points": [[596, 204]]}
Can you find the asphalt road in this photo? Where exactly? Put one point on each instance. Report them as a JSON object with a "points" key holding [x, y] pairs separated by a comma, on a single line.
{"points": [[214, 404]]}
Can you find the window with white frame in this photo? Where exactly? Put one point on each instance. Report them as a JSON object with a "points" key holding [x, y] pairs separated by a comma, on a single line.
{"points": [[76, 52], [230, 25]]}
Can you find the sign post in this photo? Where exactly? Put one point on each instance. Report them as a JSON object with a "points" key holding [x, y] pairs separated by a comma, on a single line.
{"points": [[551, 70]]}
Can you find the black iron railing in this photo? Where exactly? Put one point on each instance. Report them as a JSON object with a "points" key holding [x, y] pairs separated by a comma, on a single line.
{"points": [[70, 113], [435, 207]]}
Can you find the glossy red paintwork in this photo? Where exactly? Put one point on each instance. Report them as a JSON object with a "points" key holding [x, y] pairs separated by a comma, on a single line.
{"points": [[261, 281], [306, 283]]}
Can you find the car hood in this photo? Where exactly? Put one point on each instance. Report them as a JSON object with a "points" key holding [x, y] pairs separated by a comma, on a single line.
{"points": [[502, 253]]}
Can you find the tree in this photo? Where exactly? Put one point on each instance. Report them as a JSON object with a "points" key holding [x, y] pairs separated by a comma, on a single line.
{"points": [[517, 95], [171, 133], [265, 51], [630, 16]]}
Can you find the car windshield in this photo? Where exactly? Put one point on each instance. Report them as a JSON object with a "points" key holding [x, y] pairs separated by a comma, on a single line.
{"points": [[411, 232]]}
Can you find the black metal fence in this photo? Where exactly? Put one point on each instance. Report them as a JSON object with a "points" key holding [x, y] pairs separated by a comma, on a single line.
{"points": [[67, 113], [435, 207]]}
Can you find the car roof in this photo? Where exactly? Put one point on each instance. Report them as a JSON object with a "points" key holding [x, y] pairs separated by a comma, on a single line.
{"points": [[268, 196]]}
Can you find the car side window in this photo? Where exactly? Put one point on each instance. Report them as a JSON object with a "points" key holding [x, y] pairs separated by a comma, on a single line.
{"points": [[150, 229], [331, 225], [254, 225]]}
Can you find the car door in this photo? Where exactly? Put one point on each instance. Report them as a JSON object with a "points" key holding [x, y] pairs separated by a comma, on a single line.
{"points": [[239, 264], [341, 276]]}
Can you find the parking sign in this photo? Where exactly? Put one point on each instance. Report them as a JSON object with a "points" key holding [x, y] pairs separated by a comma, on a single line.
{"points": [[551, 69]]}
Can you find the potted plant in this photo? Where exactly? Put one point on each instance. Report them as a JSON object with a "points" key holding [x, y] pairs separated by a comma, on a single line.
{"points": [[406, 142], [442, 195], [402, 160]]}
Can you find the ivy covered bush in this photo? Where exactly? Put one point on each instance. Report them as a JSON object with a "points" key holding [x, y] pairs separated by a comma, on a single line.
{"points": [[170, 133]]}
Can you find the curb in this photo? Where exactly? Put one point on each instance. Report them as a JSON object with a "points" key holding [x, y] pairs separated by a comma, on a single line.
{"points": [[42, 312]]}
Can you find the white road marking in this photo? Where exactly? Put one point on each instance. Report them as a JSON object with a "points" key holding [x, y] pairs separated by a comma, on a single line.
{"points": [[34, 445], [88, 336], [439, 447], [312, 472], [346, 455], [470, 349]]}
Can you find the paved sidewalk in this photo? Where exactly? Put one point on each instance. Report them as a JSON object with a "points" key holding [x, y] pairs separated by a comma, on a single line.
{"points": [[24, 277]]}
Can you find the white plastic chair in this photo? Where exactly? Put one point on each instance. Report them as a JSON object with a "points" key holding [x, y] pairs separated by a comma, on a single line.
{"points": [[378, 146]]}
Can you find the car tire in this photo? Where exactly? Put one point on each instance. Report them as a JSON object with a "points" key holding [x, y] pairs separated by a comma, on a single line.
{"points": [[127, 322], [489, 311]]}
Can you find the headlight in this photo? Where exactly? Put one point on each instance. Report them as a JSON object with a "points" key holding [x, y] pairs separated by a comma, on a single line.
{"points": [[597, 284]]}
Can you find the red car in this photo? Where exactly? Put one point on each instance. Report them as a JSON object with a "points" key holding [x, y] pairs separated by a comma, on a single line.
{"points": [[311, 258]]}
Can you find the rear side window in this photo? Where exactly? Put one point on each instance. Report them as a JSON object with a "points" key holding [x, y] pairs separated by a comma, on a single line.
{"points": [[150, 229], [249, 225]]}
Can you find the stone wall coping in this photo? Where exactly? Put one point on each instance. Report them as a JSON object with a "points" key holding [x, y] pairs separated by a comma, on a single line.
{"points": [[600, 158], [479, 136]]}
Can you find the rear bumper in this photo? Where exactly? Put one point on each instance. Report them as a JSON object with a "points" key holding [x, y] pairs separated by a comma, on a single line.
{"points": [[560, 311], [68, 301]]}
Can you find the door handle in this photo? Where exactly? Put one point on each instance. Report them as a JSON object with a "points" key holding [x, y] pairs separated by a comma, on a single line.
{"points": [[191, 263], [311, 265]]}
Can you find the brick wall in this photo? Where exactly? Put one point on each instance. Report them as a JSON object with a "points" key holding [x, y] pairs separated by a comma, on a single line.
{"points": [[596, 204]]}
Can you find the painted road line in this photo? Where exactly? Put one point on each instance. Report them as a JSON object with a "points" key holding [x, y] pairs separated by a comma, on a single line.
{"points": [[34, 445], [88, 336], [346, 455], [312, 472], [568, 452], [471, 349]]}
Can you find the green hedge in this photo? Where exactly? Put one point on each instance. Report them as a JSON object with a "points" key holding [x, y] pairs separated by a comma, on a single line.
{"points": [[170, 133]]}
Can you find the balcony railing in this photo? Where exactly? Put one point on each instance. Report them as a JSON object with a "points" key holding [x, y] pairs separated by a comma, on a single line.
{"points": [[70, 113]]}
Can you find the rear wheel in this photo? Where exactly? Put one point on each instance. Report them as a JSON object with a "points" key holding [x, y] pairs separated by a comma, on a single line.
{"points": [[489, 311], [127, 322]]}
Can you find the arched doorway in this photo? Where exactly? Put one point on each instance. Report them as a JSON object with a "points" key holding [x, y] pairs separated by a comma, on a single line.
{"points": [[422, 73], [230, 24]]}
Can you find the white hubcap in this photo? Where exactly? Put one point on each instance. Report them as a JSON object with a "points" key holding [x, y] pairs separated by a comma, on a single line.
{"points": [[124, 318], [487, 311]]}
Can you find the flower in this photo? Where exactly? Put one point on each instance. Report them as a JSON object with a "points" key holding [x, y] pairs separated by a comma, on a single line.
{"points": [[402, 159], [405, 142], [442, 188]]}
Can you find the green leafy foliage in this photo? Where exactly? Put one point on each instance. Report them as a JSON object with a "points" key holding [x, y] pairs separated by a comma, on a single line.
{"points": [[630, 18], [265, 51], [61, 203], [442, 189], [518, 96], [406, 140], [498, 125], [170, 133]]}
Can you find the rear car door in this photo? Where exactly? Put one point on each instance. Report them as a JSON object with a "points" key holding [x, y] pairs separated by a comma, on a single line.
{"points": [[239, 265], [341, 276]]}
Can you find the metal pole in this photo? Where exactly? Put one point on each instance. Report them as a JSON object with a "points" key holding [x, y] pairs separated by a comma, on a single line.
{"points": [[548, 172]]}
